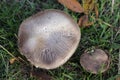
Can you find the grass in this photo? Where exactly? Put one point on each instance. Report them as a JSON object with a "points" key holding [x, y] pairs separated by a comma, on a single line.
{"points": [[105, 34]]}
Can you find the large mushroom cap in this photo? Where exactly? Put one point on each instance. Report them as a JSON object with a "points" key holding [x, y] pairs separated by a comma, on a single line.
{"points": [[48, 39]]}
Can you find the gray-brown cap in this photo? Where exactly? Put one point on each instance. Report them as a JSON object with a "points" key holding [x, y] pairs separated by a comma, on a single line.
{"points": [[95, 61], [49, 38]]}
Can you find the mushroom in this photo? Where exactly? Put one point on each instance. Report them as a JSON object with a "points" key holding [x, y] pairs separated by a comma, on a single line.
{"points": [[48, 39], [95, 61]]}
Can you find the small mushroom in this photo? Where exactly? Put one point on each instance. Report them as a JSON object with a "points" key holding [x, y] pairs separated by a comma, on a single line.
{"points": [[95, 61], [48, 39]]}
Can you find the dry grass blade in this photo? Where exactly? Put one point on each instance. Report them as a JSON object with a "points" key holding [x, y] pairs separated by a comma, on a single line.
{"points": [[96, 11], [112, 5], [101, 21], [104, 22], [73, 5]]}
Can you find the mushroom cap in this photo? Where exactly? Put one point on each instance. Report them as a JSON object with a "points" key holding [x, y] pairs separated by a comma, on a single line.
{"points": [[49, 38], [95, 62]]}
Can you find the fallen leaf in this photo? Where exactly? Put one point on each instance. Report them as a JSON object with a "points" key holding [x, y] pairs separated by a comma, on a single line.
{"points": [[83, 21], [88, 5], [12, 60], [73, 5]]}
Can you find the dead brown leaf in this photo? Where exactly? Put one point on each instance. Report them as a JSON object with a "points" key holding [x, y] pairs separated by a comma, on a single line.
{"points": [[73, 5], [88, 6], [83, 21]]}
